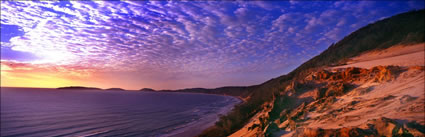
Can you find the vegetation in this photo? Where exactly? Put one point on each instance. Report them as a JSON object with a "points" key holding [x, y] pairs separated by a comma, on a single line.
{"points": [[147, 89], [79, 88], [117, 89], [406, 28]]}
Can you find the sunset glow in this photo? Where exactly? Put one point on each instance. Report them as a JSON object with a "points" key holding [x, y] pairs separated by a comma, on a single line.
{"points": [[171, 45]]}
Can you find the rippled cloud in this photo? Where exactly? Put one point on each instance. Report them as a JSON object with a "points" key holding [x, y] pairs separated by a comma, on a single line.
{"points": [[202, 43]]}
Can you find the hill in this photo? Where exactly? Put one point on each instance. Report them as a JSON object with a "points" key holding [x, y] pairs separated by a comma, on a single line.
{"points": [[275, 106]]}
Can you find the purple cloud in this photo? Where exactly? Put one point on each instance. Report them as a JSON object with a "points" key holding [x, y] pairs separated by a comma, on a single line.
{"points": [[206, 42]]}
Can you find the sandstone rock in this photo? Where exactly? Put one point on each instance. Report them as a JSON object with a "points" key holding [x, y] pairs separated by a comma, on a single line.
{"points": [[376, 128]]}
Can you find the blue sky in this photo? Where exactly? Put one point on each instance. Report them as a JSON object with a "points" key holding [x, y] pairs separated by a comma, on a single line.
{"points": [[169, 44]]}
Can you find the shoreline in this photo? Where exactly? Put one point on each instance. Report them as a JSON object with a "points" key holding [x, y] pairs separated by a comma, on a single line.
{"points": [[196, 128], [191, 129]]}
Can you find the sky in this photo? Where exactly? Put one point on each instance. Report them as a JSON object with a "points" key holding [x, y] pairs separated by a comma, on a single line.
{"points": [[171, 44]]}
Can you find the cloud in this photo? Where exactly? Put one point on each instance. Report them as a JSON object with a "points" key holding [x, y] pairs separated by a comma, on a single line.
{"points": [[264, 5], [181, 40]]}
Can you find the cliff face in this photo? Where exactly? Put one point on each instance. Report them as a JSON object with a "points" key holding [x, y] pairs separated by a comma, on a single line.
{"points": [[381, 101], [347, 85], [376, 127], [375, 91]]}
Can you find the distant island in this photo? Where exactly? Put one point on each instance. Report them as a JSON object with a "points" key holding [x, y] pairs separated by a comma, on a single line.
{"points": [[80, 88], [147, 89], [120, 89]]}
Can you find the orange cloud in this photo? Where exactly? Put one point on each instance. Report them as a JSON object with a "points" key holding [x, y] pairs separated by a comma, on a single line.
{"points": [[15, 74], [18, 74]]}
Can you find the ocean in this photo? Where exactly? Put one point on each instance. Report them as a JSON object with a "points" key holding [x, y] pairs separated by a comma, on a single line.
{"points": [[31, 112]]}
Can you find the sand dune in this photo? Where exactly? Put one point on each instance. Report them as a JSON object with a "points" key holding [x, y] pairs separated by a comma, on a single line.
{"points": [[401, 55], [387, 97], [401, 99]]}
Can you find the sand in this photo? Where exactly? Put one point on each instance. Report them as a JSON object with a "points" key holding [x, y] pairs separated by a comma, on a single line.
{"points": [[391, 100], [402, 99], [412, 55]]}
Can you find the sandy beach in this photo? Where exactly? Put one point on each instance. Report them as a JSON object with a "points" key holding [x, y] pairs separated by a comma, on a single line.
{"points": [[195, 128]]}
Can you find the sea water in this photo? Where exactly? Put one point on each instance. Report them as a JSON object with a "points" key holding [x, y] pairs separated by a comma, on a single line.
{"points": [[31, 112]]}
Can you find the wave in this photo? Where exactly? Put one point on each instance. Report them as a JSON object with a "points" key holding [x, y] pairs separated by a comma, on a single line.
{"points": [[111, 114]]}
